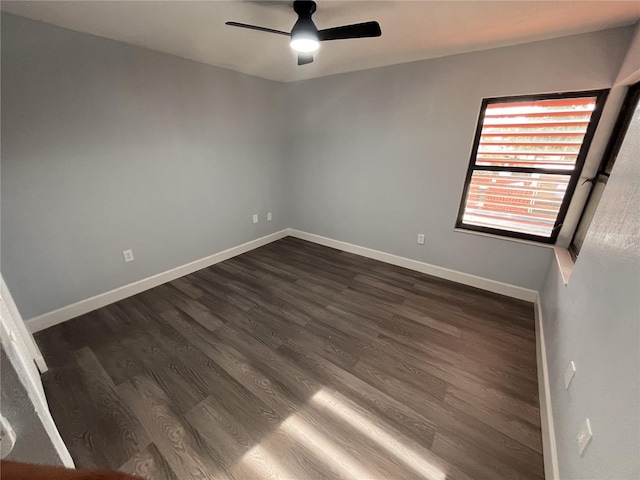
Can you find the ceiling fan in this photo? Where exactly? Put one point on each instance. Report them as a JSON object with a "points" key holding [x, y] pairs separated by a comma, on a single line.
{"points": [[305, 36]]}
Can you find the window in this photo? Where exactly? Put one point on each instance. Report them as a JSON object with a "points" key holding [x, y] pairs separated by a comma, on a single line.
{"points": [[629, 108], [526, 159]]}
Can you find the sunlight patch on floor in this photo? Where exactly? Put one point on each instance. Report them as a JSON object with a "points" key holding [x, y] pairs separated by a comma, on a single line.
{"points": [[324, 449], [406, 454], [262, 464]]}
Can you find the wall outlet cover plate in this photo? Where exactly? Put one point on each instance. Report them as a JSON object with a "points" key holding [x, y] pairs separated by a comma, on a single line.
{"points": [[568, 374], [584, 436]]}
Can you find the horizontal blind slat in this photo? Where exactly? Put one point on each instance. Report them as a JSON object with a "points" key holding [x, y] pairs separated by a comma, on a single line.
{"points": [[555, 113], [522, 143], [563, 102], [530, 220], [560, 166], [553, 134], [558, 123], [528, 153], [522, 195], [519, 208]]}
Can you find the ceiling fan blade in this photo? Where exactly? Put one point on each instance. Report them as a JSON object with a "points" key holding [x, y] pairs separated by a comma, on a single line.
{"points": [[304, 58], [254, 27], [357, 30]]}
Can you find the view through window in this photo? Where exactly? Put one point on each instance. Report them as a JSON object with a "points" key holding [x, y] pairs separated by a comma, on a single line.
{"points": [[526, 158]]}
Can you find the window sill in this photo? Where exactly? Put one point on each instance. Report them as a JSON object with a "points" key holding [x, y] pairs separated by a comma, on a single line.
{"points": [[565, 263], [506, 239]]}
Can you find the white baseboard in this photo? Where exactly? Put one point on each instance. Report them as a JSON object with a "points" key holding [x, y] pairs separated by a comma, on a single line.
{"points": [[63, 314], [68, 312], [550, 452], [441, 272]]}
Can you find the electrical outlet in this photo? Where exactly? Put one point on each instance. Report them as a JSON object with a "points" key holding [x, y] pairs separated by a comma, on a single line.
{"points": [[584, 436], [128, 255], [255, 218], [568, 374], [421, 239], [269, 217]]}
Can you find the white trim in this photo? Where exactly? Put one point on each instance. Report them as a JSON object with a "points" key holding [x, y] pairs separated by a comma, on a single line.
{"points": [[550, 453], [21, 359], [16, 336], [441, 272], [63, 314], [18, 327], [565, 263], [502, 237]]}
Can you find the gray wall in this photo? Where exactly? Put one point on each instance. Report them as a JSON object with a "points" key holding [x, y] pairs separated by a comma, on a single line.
{"points": [[33, 444], [594, 321], [378, 156], [107, 147]]}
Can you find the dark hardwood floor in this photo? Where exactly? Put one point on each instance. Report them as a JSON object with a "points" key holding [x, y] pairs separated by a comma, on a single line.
{"points": [[299, 361]]}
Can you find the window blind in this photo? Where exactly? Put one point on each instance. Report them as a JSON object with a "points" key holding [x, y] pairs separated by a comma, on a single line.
{"points": [[523, 161]]}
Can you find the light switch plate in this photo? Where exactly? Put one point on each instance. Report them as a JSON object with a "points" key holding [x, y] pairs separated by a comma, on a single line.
{"points": [[584, 436], [568, 374]]}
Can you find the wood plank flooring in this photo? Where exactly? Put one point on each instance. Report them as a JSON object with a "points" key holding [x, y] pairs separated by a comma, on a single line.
{"points": [[299, 361]]}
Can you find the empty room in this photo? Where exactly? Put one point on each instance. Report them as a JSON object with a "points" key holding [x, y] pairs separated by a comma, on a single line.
{"points": [[320, 240]]}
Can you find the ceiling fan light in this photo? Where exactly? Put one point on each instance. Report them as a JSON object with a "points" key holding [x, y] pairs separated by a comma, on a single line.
{"points": [[304, 43]]}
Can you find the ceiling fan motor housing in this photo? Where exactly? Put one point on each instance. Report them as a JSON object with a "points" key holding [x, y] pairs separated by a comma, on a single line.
{"points": [[304, 24], [304, 7]]}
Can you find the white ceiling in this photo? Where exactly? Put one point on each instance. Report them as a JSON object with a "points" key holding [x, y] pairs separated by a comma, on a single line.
{"points": [[411, 30]]}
